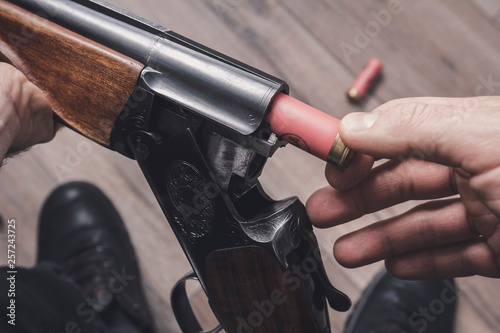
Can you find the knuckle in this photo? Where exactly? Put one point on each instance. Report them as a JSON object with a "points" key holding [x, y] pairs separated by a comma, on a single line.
{"points": [[387, 245], [409, 115], [12, 85], [406, 187], [466, 261], [11, 74], [360, 202], [5, 67], [430, 125]]}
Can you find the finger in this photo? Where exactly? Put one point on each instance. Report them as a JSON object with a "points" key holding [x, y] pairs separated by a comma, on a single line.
{"points": [[387, 185], [428, 225], [430, 128], [463, 259], [359, 167]]}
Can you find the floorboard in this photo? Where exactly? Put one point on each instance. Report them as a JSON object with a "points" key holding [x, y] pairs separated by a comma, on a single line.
{"points": [[430, 48]]}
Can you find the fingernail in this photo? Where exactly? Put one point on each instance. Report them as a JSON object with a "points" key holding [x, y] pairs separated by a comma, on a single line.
{"points": [[359, 121]]}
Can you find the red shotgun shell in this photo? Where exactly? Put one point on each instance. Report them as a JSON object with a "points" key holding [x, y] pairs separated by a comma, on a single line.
{"points": [[365, 79], [309, 129]]}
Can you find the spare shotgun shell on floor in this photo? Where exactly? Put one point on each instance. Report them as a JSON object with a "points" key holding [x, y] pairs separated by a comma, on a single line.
{"points": [[309, 129], [365, 80]]}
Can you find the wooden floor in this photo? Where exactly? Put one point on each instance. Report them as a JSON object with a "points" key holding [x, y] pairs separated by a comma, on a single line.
{"points": [[430, 48]]}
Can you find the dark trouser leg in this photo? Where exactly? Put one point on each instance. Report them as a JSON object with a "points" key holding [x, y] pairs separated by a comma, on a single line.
{"points": [[45, 302]]}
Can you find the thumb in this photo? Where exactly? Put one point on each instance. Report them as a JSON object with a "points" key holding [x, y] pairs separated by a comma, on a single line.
{"points": [[458, 132]]}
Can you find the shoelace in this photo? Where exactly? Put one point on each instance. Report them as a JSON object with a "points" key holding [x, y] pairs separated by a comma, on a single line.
{"points": [[89, 269]]}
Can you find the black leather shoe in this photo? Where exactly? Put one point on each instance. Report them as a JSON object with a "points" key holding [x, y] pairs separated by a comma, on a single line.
{"points": [[81, 231], [391, 305]]}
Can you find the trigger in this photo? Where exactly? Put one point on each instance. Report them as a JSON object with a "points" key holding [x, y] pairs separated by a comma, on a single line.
{"points": [[182, 309], [336, 299]]}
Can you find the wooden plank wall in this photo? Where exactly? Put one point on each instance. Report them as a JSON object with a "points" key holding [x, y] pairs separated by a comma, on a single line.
{"points": [[430, 48]]}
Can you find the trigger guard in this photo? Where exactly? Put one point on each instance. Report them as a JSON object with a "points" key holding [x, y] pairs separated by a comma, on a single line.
{"points": [[182, 309]]}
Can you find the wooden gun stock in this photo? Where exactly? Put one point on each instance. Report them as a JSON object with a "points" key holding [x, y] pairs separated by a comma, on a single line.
{"points": [[253, 293], [87, 83]]}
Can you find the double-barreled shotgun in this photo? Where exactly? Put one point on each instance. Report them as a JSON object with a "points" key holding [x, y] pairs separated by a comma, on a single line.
{"points": [[201, 127]]}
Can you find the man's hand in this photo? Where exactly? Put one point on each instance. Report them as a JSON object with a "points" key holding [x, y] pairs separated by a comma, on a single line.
{"points": [[26, 117], [437, 147]]}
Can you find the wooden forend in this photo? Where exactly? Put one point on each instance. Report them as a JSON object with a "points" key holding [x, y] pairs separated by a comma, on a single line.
{"points": [[88, 84]]}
